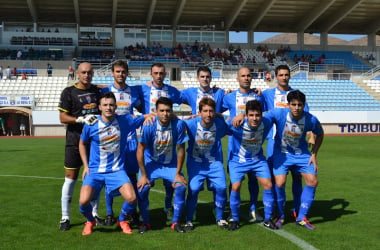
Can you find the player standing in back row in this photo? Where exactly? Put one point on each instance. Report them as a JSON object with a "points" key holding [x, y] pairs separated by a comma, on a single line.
{"points": [[78, 104], [127, 98], [151, 93]]}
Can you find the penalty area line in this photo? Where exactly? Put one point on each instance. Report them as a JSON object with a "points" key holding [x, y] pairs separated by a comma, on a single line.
{"points": [[286, 235]]}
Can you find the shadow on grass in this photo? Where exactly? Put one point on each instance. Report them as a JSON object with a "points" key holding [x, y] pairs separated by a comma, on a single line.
{"points": [[325, 210], [14, 150], [329, 210]]}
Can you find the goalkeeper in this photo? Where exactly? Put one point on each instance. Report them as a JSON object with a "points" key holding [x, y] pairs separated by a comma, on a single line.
{"points": [[78, 105]]}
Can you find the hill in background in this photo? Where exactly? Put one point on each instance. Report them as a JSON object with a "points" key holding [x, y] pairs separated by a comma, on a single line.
{"points": [[314, 40]]}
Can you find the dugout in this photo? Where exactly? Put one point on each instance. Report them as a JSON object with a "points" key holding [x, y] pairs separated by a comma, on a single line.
{"points": [[18, 115]]}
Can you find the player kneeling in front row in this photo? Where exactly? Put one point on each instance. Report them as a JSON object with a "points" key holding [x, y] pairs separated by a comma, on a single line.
{"points": [[158, 158], [247, 158], [105, 164], [205, 160], [291, 152]]}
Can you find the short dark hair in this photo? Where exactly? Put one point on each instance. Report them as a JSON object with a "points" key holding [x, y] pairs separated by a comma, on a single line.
{"points": [[120, 63], [296, 95], [164, 100], [160, 65], [282, 66], [204, 69], [206, 101], [108, 95], [253, 105]]}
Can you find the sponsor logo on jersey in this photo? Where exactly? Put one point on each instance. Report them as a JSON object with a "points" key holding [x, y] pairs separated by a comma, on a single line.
{"points": [[123, 104], [90, 106]]}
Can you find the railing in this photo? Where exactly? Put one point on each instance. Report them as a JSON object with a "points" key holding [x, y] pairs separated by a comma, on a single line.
{"points": [[329, 76], [59, 41], [333, 61], [303, 66], [370, 73]]}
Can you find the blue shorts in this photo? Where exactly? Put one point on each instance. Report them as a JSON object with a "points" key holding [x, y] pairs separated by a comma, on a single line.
{"points": [[282, 163], [112, 181], [156, 171], [213, 172], [258, 168]]}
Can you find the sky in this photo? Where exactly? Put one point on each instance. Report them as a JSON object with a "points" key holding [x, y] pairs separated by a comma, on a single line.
{"points": [[241, 37]]}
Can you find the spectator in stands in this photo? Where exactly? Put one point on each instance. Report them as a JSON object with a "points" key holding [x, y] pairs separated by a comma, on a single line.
{"points": [[2, 126], [19, 55], [1, 72], [14, 72], [22, 127], [8, 72], [23, 76], [9, 127], [70, 75], [49, 69], [56, 30], [268, 77]]}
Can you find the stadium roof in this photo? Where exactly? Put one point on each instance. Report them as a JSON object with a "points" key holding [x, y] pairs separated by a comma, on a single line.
{"points": [[309, 16]]}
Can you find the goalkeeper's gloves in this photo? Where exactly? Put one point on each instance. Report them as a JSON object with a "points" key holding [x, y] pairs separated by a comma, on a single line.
{"points": [[88, 119]]}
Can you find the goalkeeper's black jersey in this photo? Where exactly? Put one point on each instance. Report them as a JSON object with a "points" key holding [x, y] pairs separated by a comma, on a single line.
{"points": [[78, 102]]}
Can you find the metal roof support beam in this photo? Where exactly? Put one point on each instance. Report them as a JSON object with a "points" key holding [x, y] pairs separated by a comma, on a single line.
{"points": [[311, 16], [149, 17], [374, 27], [76, 10], [234, 13], [342, 13], [114, 12], [179, 10], [259, 14], [32, 9]]}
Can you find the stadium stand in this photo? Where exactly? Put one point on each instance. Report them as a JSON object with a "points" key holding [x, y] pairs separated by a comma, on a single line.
{"points": [[24, 40], [32, 54], [338, 95], [344, 58], [373, 84], [45, 90]]}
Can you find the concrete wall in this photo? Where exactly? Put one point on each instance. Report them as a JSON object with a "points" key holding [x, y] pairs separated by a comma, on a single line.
{"points": [[46, 123], [48, 130]]}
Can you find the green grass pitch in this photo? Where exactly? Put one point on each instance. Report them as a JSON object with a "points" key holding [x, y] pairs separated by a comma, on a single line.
{"points": [[344, 212]]}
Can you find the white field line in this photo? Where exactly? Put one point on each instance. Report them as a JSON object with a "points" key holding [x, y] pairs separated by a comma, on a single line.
{"points": [[288, 236]]}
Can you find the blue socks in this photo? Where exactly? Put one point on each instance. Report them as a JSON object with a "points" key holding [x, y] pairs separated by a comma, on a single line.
{"points": [[235, 205], [307, 199], [87, 212], [281, 199], [179, 202], [268, 204]]}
